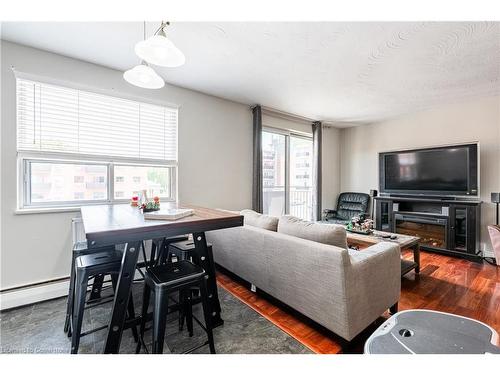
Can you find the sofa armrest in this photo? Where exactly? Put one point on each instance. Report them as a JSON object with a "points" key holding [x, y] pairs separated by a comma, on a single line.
{"points": [[373, 282]]}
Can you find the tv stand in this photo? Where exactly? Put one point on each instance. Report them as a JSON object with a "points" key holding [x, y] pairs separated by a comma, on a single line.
{"points": [[444, 224]]}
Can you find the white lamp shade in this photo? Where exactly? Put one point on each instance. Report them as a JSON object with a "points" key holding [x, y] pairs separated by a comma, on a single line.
{"points": [[158, 50], [144, 76]]}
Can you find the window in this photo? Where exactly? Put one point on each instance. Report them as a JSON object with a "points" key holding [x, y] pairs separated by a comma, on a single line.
{"points": [[71, 143], [155, 180], [55, 182], [286, 173]]}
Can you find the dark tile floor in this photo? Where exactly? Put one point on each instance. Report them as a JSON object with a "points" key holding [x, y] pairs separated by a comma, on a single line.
{"points": [[38, 328]]}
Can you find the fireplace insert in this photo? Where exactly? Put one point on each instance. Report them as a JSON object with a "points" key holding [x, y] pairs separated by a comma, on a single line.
{"points": [[433, 231]]}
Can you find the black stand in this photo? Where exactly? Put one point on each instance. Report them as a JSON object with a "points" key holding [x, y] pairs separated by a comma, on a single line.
{"points": [[459, 222], [497, 213]]}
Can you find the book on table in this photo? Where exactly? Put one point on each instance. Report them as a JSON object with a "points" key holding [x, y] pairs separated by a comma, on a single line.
{"points": [[168, 214]]}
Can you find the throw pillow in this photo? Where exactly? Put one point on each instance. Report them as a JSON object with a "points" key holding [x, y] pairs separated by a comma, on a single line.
{"points": [[330, 234], [259, 220]]}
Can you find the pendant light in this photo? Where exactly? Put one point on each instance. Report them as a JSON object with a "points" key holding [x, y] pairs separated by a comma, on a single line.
{"points": [[158, 50], [143, 75]]}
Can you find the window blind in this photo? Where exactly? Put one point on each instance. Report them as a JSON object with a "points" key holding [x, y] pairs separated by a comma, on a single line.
{"points": [[59, 119]]}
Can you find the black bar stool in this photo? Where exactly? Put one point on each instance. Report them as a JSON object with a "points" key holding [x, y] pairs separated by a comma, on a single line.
{"points": [[184, 250], [167, 279], [160, 249], [86, 267], [81, 248]]}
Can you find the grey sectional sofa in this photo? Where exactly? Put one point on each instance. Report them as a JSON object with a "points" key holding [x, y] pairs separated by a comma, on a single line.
{"points": [[341, 289]]}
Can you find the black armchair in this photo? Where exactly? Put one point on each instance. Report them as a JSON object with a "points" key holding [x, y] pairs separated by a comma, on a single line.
{"points": [[348, 205]]}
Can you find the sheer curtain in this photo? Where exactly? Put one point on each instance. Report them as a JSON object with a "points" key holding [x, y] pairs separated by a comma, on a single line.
{"points": [[257, 201], [317, 130]]}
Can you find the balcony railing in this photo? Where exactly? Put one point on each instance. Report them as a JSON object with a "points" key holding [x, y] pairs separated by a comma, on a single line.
{"points": [[301, 202]]}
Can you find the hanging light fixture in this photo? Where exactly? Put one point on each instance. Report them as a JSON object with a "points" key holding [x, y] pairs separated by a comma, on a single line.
{"points": [[143, 75], [158, 50]]}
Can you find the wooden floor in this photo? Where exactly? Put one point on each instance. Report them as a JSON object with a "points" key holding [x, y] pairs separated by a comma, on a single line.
{"points": [[445, 283]]}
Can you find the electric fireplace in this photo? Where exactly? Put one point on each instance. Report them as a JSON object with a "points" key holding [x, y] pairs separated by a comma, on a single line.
{"points": [[433, 231]]}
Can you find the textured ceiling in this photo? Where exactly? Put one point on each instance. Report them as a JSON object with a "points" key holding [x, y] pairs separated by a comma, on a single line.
{"points": [[338, 72]]}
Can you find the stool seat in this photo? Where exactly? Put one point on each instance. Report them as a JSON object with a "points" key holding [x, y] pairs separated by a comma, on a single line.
{"points": [[99, 259], [170, 274], [187, 245], [182, 250]]}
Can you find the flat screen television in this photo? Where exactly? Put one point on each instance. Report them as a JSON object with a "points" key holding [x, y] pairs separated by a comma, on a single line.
{"points": [[438, 171]]}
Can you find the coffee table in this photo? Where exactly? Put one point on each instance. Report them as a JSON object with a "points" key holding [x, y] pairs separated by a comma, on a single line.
{"points": [[404, 241]]}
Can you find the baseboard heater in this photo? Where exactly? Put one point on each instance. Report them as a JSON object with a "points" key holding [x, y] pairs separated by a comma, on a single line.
{"points": [[33, 293]]}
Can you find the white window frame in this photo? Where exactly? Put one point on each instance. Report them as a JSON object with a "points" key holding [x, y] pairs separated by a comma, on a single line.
{"points": [[24, 160]]}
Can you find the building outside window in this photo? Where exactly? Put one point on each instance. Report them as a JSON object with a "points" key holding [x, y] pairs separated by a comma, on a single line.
{"points": [[98, 195], [79, 195]]}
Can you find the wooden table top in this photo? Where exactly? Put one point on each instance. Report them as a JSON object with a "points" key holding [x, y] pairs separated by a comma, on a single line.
{"points": [[106, 224], [402, 240]]}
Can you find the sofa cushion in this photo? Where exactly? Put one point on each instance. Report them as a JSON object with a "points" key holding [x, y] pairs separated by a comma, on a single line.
{"points": [[259, 220], [330, 234]]}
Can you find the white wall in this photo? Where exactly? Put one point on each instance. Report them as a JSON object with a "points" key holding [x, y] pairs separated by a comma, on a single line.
{"points": [[215, 159], [331, 154], [475, 120]]}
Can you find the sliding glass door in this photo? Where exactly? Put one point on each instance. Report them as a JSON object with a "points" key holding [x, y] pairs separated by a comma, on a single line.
{"points": [[301, 180], [287, 174], [274, 179]]}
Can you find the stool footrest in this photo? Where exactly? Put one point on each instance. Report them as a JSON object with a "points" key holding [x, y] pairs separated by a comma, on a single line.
{"points": [[93, 330]]}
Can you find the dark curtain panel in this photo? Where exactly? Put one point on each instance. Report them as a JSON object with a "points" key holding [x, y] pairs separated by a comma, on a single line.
{"points": [[317, 137], [257, 159]]}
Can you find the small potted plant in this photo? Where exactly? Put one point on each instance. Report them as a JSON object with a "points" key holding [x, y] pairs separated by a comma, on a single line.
{"points": [[151, 206]]}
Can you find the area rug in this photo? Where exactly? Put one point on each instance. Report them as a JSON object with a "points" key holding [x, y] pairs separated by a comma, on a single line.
{"points": [[38, 328], [316, 338]]}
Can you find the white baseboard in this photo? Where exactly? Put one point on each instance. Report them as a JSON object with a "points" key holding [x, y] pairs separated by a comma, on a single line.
{"points": [[32, 294], [37, 293]]}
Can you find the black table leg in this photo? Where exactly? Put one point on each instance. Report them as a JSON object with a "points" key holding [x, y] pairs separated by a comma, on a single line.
{"points": [[206, 260], [416, 257], [122, 293]]}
